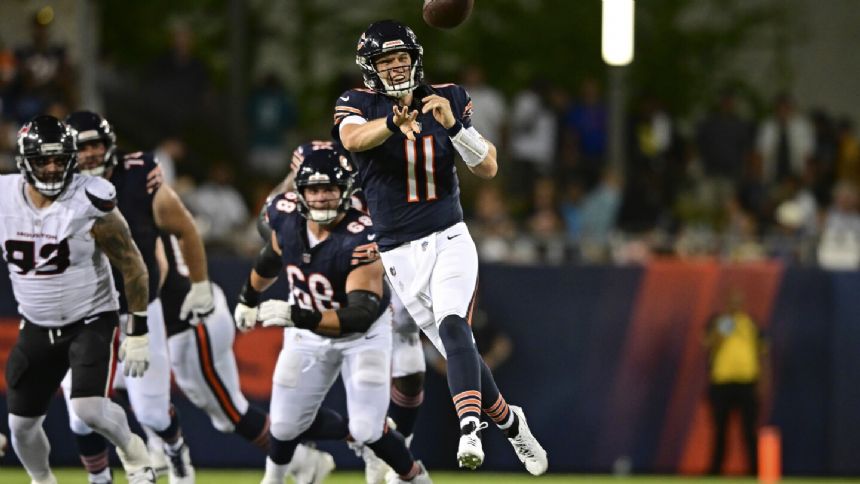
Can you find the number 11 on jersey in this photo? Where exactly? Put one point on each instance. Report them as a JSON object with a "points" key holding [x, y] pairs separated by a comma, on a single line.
{"points": [[411, 169]]}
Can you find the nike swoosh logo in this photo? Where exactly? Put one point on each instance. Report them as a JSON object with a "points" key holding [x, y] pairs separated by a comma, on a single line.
{"points": [[369, 336], [90, 319], [371, 236], [454, 236], [344, 98]]}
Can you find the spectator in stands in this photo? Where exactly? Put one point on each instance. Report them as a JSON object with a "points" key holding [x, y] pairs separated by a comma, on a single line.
{"points": [[533, 137], [8, 71], [785, 143], [271, 115], [652, 153], [169, 153], [848, 155], [839, 247], [218, 207], [584, 133], [179, 84], [545, 221], [44, 72], [489, 119], [491, 224], [599, 213], [724, 144], [736, 350]]}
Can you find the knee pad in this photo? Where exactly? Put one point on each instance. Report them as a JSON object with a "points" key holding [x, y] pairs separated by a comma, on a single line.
{"points": [[410, 385], [456, 335], [287, 430], [363, 431], [78, 426], [153, 415], [373, 368], [407, 356], [90, 411]]}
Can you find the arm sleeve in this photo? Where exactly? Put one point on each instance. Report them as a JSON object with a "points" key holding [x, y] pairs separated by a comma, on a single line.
{"points": [[361, 311]]}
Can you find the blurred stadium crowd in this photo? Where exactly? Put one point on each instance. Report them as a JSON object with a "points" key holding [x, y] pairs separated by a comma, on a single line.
{"points": [[732, 182]]}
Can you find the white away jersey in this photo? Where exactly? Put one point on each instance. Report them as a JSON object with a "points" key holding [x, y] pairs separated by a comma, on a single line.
{"points": [[59, 275]]}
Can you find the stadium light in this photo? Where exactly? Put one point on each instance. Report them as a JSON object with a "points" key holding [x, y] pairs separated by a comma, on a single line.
{"points": [[617, 41]]}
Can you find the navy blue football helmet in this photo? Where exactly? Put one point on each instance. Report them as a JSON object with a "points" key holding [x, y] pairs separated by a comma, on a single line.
{"points": [[324, 167], [89, 127], [381, 38], [41, 141]]}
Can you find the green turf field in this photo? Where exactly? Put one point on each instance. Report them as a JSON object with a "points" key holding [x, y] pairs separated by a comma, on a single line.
{"points": [[16, 475]]}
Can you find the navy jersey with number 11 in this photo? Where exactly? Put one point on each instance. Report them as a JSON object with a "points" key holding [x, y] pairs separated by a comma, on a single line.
{"points": [[411, 187]]}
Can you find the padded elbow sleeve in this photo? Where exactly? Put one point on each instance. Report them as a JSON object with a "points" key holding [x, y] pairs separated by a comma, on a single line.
{"points": [[361, 311]]}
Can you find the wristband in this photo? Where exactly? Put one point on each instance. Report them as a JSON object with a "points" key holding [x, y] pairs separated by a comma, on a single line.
{"points": [[390, 124], [304, 318], [453, 130], [135, 324]]}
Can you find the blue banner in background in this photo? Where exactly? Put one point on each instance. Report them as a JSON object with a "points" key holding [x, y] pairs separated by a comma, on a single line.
{"points": [[608, 364]]}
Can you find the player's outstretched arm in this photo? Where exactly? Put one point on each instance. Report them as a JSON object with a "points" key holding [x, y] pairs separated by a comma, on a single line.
{"points": [[113, 237], [365, 136], [172, 217]]}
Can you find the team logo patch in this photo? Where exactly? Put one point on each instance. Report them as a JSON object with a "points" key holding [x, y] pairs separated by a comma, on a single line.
{"points": [[392, 43], [393, 271], [424, 245], [306, 258]]}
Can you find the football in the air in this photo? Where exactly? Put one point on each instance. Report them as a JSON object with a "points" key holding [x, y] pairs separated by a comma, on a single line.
{"points": [[447, 14]]}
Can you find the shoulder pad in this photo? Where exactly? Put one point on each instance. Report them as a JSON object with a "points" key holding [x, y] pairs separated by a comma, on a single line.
{"points": [[363, 244], [461, 102], [280, 208], [144, 159], [352, 103], [100, 192]]}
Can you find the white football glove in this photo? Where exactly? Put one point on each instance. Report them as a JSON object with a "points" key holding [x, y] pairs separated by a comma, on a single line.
{"points": [[275, 312], [134, 354], [198, 303], [245, 317]]}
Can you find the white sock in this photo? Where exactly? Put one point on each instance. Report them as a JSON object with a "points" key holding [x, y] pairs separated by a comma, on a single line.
{"points": [[103, 476], [172, 449], [275, 472], [468, 420], [508, 421]]}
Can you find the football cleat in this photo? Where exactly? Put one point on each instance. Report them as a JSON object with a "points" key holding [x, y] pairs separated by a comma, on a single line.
{"points": [[135, 461], [103, 477], [375, 469], [157, 458], [143, 476], [310, 466], [179, 464], [470, 452], [423, 477], [48, 480], [529, 451]]}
